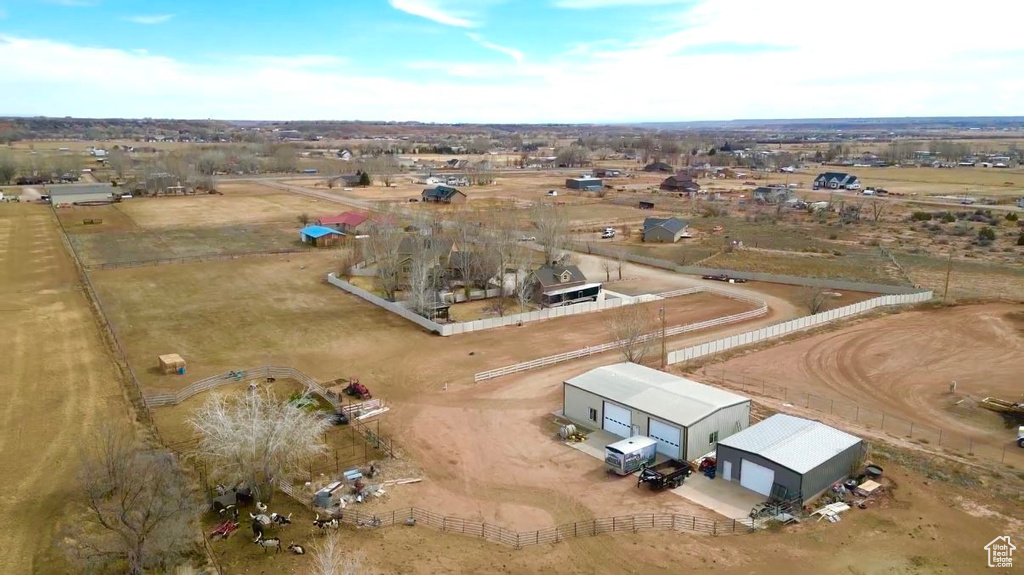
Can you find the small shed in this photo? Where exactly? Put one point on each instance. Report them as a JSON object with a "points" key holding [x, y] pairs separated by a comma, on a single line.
{"points": [[788, 457], [80, 194], [646, 205], [171, 363], [320, 236]]}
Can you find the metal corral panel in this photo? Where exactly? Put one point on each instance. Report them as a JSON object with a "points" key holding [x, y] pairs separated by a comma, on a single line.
{"points": [[725, 421]]}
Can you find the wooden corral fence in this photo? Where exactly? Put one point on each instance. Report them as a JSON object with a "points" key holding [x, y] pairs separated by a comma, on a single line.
{"points": [[213, 382], [760, 310], [519, 539]]}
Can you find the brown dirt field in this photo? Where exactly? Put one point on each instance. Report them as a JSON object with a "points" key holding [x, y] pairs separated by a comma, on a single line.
{"points": [[924, 529], [59, 384], [902, 364], [226, 315], [241, 203]]}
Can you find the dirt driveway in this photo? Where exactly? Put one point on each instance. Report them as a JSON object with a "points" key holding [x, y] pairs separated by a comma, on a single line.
{"points": [[58, 385]]}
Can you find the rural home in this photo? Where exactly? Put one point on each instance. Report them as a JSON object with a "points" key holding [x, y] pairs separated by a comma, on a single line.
{"points": [[836, 181], [439, 253], [788, 457], [658, 167], [456, 164], [771, 194], [686, 418], [680, 182], [663, 230], [443, 195], [587, 184], [320, 236], [562, 285], [68, 194], [346, 222]]}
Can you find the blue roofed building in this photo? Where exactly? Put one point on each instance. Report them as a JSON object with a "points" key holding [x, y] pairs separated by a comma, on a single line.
{"points": [[320, 236]]}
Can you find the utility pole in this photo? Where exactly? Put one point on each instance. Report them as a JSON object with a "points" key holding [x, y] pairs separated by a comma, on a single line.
{"points": [[664, 354], [949, 268]]}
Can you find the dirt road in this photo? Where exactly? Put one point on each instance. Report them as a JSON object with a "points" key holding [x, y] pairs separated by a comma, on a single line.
{"points": [[58, 384]]}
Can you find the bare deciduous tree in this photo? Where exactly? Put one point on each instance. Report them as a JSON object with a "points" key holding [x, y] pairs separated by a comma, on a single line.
{"points": [[256, 439], [814, 299], [138, 508], [421, 278], [607, 265], [631, 324], [620, 262], [8, 167], [552, 230], [878, 207], [502, 249], [524, 290], [382, 248], [329, 558], [303, 218]]}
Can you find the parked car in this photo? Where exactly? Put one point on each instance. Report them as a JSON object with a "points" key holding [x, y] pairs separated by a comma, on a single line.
{"points": [[527, 239], [725, 278], [552, 193], [607, 234], [126, 196]]}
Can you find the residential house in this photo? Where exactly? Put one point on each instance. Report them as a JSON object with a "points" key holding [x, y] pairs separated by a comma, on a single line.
{"points": [[771, 194], [836, 181], [456, 164], [439, 252], [664, 230], [556, 285], [680, 182], [346, 223], [658, 167], [443, 195]]}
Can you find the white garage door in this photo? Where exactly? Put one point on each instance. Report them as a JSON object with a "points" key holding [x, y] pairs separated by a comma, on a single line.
{"points": [[617, 419], [756, 477], [667, 437]]}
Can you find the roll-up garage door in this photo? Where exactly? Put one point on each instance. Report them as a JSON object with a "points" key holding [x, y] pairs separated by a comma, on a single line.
{"points": [[617, 419], [757, 478], [667, 437]]}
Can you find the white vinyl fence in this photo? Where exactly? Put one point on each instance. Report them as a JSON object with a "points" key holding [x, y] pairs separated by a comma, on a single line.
{"points": [[448, 329], [791, 326], [213, 382], [761, 309]]}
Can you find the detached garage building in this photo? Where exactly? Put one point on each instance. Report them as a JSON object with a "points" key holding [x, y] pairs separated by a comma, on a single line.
{"points": [[686, 418], [788, 457]]}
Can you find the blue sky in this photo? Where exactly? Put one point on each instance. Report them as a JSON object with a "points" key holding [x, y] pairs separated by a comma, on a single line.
{"points": [[507, 60]]}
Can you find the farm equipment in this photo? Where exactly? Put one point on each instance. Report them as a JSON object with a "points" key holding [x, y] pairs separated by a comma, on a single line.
{"points": [[670, 473], [357, 390], [1003, 406], [224, 530]]}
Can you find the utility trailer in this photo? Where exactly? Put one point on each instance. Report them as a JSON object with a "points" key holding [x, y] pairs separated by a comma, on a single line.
{"points": [[669, 473]]}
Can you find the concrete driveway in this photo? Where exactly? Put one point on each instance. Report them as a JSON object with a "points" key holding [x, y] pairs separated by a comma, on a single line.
{"points": [[724, 497]]}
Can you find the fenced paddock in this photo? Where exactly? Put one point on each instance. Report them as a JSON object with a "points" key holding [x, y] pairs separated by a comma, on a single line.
{"points": [[519, 539], [792, 326], [213, 382], [760, 310], [448, 329]]}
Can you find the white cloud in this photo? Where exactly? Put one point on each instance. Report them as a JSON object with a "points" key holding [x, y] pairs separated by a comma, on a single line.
{"points": [[511, 52], [150, 19], [435, 10], [592, 4], [708, 64]]}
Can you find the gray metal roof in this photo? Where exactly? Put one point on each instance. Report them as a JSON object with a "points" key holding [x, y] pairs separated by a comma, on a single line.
{"points": [[792, 442], [78, 189], [673, 225], [663, 395]]}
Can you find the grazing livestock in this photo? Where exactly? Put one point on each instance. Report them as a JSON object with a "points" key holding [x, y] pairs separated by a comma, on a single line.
{"points": [[281, 519], [262, 507], [268, 543], [261, 518], [257, 528], [297, 549], [324, 524]]}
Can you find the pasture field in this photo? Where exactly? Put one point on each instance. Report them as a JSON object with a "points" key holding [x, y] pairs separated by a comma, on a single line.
{"points": [[59, 385]]}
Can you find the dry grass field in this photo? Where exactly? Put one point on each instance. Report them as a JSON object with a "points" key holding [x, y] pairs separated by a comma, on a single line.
{"points": [[59, 384]]}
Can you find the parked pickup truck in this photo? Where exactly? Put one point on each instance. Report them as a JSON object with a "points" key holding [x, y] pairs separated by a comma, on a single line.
{"points": [[669, 473], [725, 278]]}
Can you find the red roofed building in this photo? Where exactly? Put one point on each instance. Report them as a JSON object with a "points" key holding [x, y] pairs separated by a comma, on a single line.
{"points": [[348, 222]]}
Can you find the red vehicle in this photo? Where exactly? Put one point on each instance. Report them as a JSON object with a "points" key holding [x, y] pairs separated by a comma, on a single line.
{"points": [[358, 390]]}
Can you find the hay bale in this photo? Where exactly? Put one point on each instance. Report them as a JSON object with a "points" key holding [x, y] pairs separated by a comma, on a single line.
{"points": [[171, 363]]}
